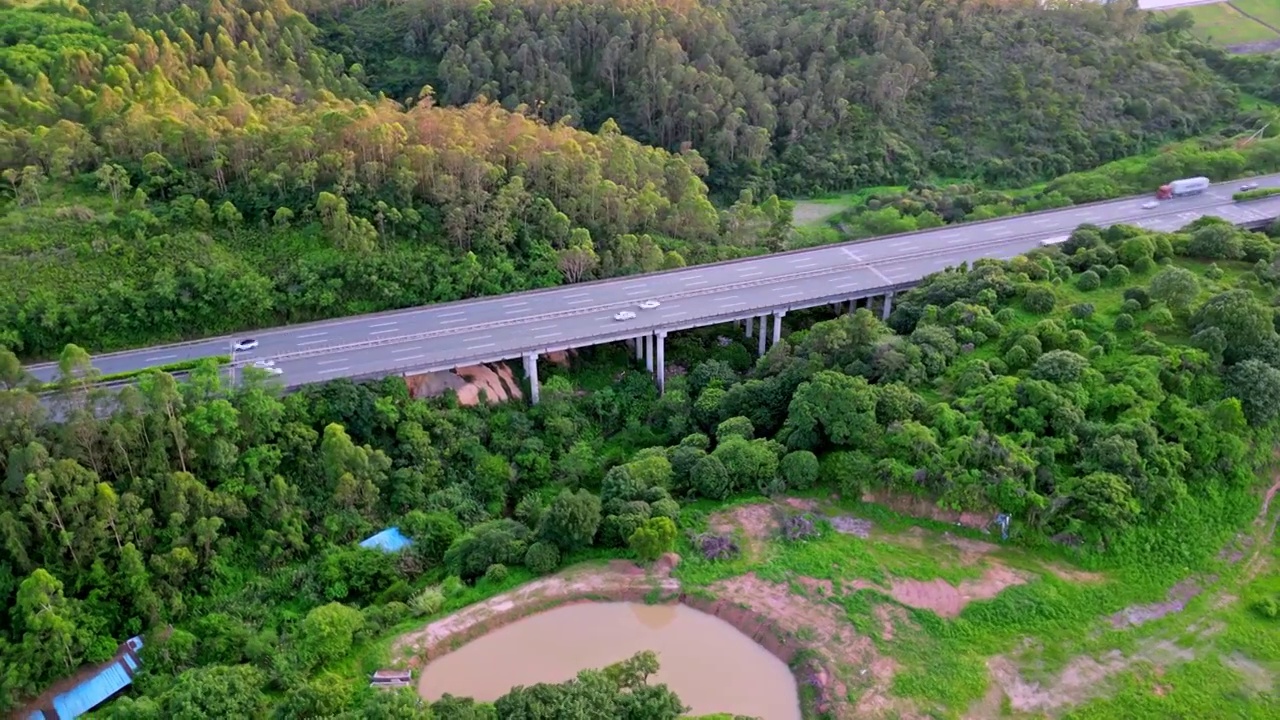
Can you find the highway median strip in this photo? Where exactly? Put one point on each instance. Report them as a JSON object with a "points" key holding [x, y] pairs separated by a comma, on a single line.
{"points": [[121, 378], [1257, 194]]}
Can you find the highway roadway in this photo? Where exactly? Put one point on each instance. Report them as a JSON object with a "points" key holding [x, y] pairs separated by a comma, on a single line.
{"points": [[489, 329]]}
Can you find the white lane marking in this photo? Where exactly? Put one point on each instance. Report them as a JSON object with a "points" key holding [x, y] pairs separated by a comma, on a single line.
{"points": [[330, 362], [453, 322], [957, 240], [733, 304], [809, 264], [405, 350], [696, 282], [546, 335], [632, 286], [751, 274], [729, 297], [311, 335], [577, 295], [580, 302], [313, 342], [876, 270], [160, 357], [674, 314], [515, 311], [691, 277], [637, 292], [333, 370], [455, 313], [902, 243], [385, 324], [383, 332], [845, 286], [852, 255], [479, 347], [411, 357], [542, 327], [793, 294], [799, 259], [520, 303]]}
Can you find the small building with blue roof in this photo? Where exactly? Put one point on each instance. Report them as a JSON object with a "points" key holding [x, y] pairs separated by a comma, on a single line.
{"points": [[98, 687]]}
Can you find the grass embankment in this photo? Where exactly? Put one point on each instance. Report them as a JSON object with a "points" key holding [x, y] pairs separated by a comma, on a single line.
{"points": [[1224, 24]]}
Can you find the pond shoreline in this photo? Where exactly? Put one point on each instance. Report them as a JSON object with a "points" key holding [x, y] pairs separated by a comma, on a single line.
{"points": [[617, 581]]}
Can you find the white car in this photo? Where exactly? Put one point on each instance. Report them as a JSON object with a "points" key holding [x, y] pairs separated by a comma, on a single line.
{"points": [[264, 364], [649, 304], [244, 345], [625, 315], [1151, 205], [1249, 186]]}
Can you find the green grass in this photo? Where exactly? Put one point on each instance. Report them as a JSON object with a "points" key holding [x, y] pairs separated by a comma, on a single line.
{"points": [[1268, 11], [1222, 24]]}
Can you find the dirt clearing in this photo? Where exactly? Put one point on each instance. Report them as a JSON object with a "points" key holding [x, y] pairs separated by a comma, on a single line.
{"points": [[948, 600]]}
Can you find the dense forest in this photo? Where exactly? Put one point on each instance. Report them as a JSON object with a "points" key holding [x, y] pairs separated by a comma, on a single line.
{"points": [[190, 168], [804, 96], [1090, 392]]}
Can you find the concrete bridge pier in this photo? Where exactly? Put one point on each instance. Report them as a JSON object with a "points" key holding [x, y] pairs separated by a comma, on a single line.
{"points": [[648, 353], [531, 372], [777, 326], [888, 306], [750, 325], [660, 347]]}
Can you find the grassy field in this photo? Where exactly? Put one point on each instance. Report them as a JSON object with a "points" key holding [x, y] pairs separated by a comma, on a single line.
{"points": [[1223, 24], [1268, 11]]}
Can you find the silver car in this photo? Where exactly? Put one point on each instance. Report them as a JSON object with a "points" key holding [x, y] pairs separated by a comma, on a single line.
{"points": [[625, 315], [1151, 205]]}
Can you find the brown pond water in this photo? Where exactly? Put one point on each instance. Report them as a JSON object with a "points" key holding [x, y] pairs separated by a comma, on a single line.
{"points": [[705, 660]]}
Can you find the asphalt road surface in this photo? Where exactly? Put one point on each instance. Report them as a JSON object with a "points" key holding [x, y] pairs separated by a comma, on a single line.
{"points": [[488, 329]]}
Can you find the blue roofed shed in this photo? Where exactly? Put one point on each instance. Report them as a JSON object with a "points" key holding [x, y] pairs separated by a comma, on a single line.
{"points": [[97, 687], [390, 540]]}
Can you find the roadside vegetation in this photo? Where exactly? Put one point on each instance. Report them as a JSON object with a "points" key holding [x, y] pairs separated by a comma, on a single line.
{"points": [[1089, 393]]}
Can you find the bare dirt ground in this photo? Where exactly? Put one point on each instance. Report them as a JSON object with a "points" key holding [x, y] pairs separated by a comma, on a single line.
{"points": [[812, 213], [948, 600], [845, 656]]}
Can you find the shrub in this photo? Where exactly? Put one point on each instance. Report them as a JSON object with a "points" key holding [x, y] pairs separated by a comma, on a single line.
{"points": [[1138, 295], [542, 558], [497, 573], [1124, 322], [1089, 280], [1131, 306], [1082, 310], [1118, 276], [1039, 300], [796, 526], [714, 546], [1213, 272], [800, 469], [428, 602], [655, 537]]}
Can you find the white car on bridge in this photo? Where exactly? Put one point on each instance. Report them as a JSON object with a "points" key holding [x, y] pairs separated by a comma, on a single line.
{"points": [[625, 315], [649, 304]]}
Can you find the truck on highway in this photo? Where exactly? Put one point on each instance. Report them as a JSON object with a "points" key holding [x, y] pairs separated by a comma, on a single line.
{"points": [[1180, 188]]}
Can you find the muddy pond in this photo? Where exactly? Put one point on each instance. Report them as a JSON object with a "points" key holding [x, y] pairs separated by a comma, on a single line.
{"points": [[705, 660]]}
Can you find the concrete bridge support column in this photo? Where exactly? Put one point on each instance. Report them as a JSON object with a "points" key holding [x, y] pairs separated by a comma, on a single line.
{"points": [[648, 353], [750, 324], [888, 306], [764, 333], [635, 342], [853, 306], [777, 326], [531, 372], [660, 345]]}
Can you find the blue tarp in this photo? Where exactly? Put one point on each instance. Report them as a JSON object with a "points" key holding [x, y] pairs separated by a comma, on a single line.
{"points": [[389, 540]]}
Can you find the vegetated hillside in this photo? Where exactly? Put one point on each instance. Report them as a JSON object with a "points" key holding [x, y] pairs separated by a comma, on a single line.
{"points": [[1117, 397], [181, 169], [808, 95]]}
